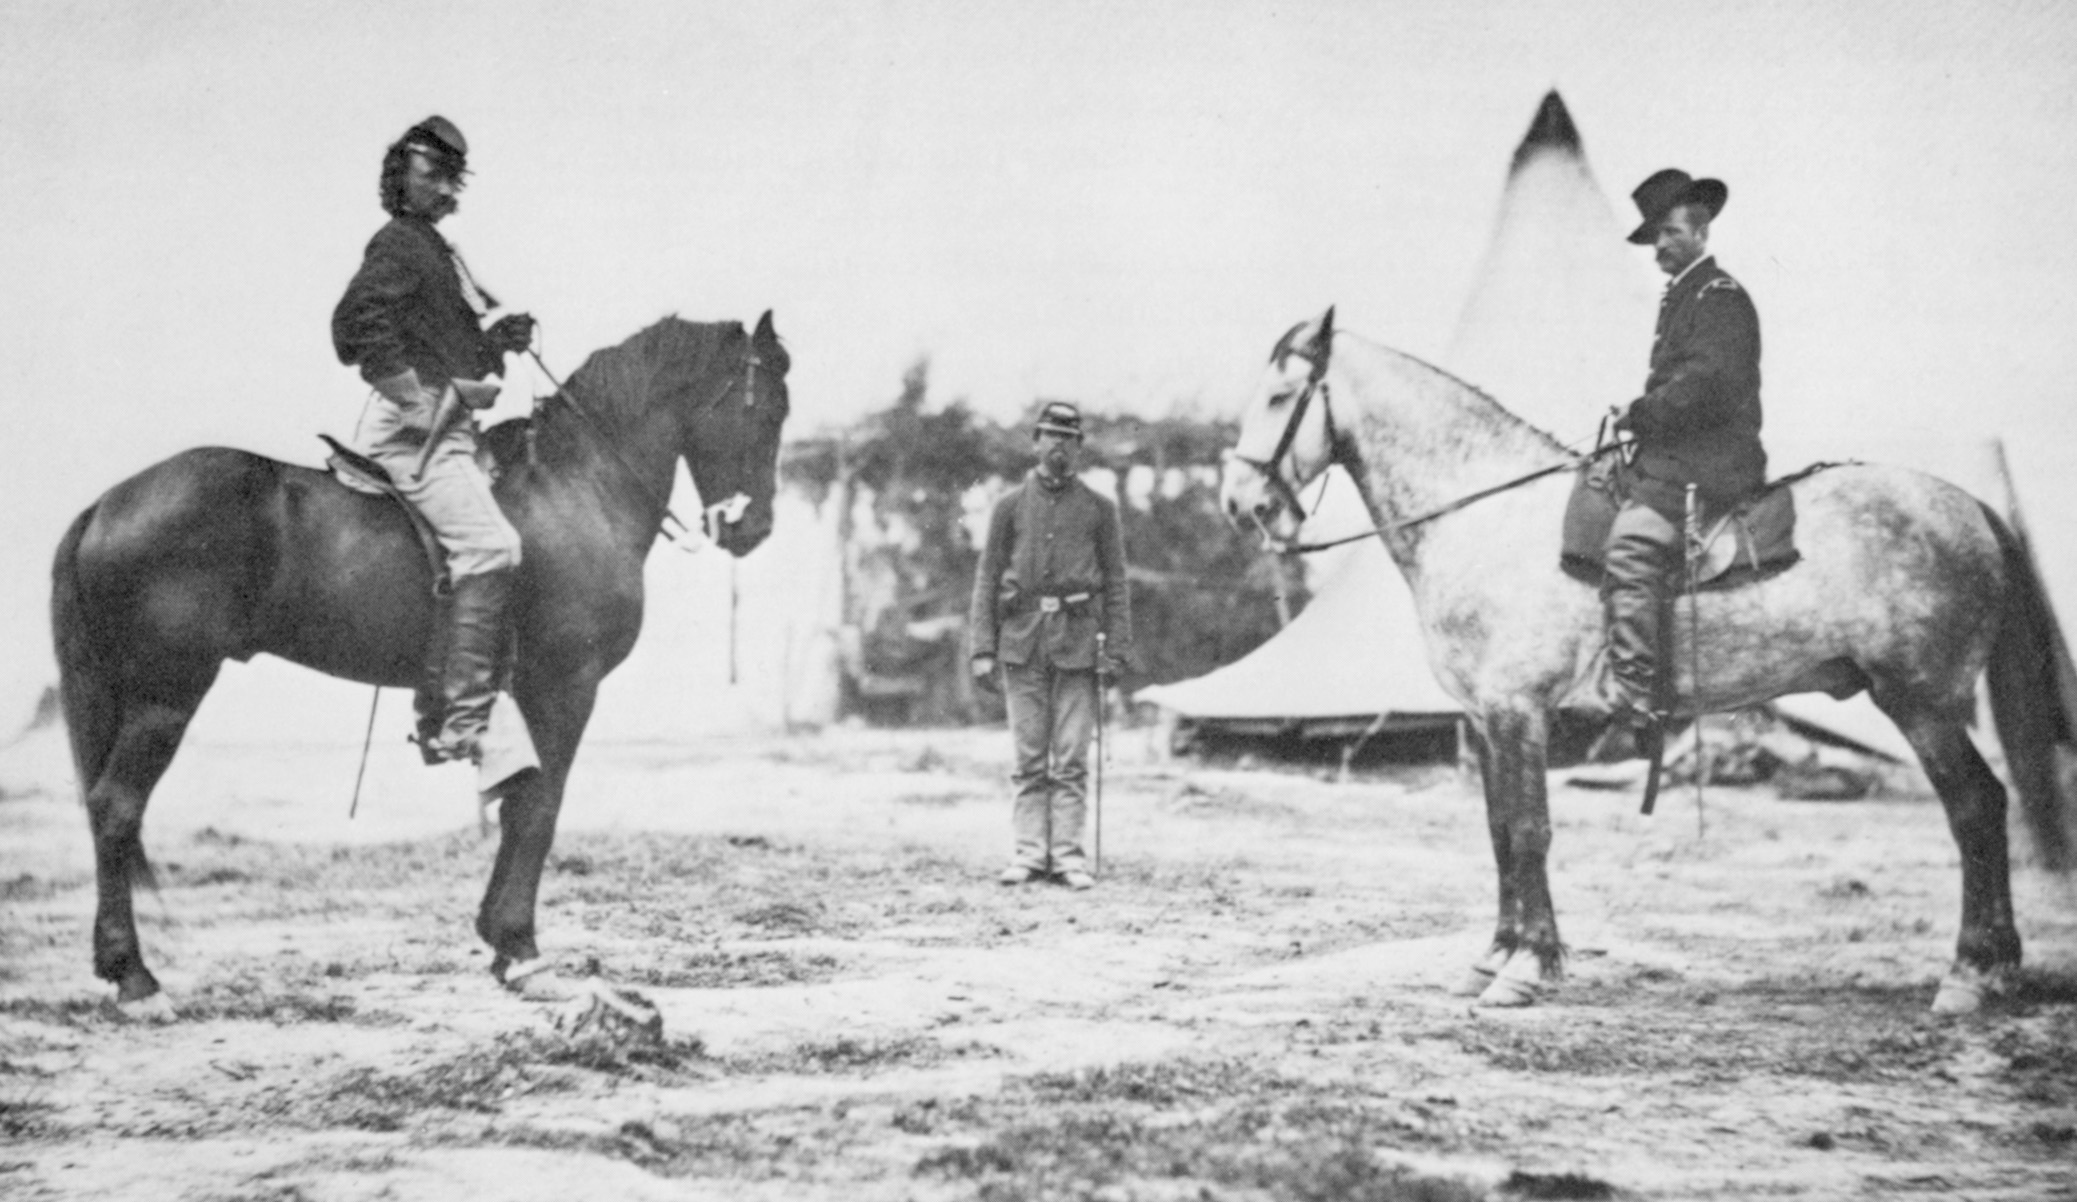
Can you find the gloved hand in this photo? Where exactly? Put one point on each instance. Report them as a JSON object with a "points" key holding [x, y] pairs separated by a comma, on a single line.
{"points": [[512, 333], [1110, 667], [405, 390], [985, 679]]}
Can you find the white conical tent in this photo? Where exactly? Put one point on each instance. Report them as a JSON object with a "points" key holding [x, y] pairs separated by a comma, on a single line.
{"points": [[1558, 323], [1557, 327]]}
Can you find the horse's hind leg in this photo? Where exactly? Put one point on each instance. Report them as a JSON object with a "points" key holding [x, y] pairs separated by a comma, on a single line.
{"points": [[145, 739], [1987, 951]]}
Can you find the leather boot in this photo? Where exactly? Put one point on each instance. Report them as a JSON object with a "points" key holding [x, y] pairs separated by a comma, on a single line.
{"points": [[1631, 686], [468, 681], [1636, 592]]}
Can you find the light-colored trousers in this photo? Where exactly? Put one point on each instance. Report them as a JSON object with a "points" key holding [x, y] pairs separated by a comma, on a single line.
{"points": [[1052, 719], [454, 494]]}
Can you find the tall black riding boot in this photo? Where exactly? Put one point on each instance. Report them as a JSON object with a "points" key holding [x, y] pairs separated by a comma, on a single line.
{"points": [[468, 681], [1641, 556]]}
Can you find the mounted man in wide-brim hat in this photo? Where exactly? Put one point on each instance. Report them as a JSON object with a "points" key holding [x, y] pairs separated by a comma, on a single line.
{"points": [[1697, 427]]}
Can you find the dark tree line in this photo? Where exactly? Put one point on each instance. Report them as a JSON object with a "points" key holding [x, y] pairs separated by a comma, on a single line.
{"points": [[910, 479]]}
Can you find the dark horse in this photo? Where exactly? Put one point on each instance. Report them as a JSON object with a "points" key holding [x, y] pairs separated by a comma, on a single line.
{"points": [[1908, 587], [218, 554]]}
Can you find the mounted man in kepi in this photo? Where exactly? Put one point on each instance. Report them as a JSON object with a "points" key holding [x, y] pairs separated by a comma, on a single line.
{"points": [[412, 322]]}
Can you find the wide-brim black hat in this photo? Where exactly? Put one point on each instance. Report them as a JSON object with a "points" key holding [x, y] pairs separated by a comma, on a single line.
{"points": [[1669, 189]]}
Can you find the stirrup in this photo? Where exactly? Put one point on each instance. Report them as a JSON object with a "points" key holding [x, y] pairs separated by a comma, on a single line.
{"points": [[440, 749]]}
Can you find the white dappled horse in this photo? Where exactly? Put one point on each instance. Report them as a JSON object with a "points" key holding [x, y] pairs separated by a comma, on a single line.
{"points": [[1907, 587]]}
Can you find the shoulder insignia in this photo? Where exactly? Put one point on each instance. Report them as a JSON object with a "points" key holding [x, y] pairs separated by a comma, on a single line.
{"points": [[1722, 282]]}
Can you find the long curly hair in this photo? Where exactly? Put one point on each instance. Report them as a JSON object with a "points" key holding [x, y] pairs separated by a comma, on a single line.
{"points": [[395, 162]]}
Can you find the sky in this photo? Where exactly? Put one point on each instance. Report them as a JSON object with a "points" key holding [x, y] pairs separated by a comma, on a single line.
{"points": [[1121, 205]]}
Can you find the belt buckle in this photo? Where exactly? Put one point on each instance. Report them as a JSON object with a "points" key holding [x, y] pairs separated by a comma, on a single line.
{"points": [[1049, 605]]}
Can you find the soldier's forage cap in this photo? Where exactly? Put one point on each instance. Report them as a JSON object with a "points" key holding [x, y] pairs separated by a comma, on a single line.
{"points": [[438, 139], [1058, 417], [1669, 189]]}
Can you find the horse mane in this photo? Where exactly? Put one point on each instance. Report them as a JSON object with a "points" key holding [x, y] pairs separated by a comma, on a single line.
{"points": [[659, 360], [1505, 423]]}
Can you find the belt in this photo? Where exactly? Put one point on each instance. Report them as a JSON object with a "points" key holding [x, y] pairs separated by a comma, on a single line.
{"points": [[1056, 601], [1050, 603]]}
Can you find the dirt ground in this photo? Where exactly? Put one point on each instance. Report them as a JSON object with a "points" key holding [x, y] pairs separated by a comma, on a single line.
{"points": [[1251, 1005]]}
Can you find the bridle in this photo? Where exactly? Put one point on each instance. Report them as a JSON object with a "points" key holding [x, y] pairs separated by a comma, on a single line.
{"points": [[1315, 382], [713, 517], [1287, 490]]}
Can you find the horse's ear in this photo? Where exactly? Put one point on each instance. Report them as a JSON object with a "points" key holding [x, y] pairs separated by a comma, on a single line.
{"points": [[764, 332], [1324, 340]]}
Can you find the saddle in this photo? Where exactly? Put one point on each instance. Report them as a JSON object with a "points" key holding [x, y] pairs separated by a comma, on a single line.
{"points": [[505, 442], [362, 474], [1755, 539]]}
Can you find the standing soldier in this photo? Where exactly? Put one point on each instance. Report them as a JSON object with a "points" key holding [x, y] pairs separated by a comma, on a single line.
{"points": [[1696, 426], [1051, 606], [416, 334]]}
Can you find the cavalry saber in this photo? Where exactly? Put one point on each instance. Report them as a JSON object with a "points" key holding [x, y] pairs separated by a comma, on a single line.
{"points": [[1692, 552], [1100, 701], [444, 416]]}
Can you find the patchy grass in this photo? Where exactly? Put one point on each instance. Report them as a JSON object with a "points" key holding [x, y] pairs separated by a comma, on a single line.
{"points": [[24, 1118], [483, 1079], [846, 1055], [721, 970], [77, 1012], [1215, 1125], [1856, 1045]]}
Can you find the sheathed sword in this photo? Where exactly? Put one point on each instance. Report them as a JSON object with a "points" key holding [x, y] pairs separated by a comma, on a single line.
{"points": [[460, 397], [1100, 698], [1692, 557]]}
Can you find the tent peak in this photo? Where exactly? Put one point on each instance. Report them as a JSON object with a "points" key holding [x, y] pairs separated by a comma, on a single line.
{"points": [[1551, 130]]}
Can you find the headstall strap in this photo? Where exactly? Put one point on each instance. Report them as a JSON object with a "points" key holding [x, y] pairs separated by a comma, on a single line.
{"points": [[1315, 380]]}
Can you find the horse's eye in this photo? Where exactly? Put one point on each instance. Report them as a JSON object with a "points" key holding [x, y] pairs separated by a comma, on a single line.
{"points": [[1279, 400]]}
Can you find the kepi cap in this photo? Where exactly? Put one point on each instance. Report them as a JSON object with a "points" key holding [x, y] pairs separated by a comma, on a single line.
{"points": [[439, 139], [1058, 417]]}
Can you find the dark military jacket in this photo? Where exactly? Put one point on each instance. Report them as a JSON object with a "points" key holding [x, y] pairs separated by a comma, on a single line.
{"points": [[1698, 421], [1061, 543], [405, 308]]}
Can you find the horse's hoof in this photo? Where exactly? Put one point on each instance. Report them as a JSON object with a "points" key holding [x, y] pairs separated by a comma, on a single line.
{"points": [[535, 980], [1964, 988], [1474, 983], [157, 1008], [1520, 983]]}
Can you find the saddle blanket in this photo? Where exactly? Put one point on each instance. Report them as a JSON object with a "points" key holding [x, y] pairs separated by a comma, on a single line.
{"points": [[1756, 539]]}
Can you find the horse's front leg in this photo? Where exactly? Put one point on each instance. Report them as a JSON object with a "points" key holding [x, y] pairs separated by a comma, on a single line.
{"points": [[1518, 810], [1506, 929], [556, 715]]}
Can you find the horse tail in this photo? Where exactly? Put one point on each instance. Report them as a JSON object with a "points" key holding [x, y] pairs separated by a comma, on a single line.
{"points": [[2027, 700], [87, 690]]}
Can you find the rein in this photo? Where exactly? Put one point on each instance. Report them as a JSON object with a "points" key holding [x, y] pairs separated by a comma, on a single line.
{"points": [[725, 511], [1439, 510], [1316, 381], [714, 515]]}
